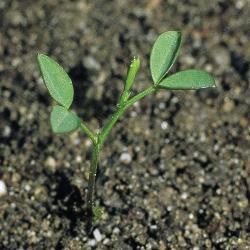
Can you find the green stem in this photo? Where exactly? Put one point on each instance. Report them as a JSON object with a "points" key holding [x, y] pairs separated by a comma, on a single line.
{"points": [[111, 122], [139, 96], [89, 133], [98, 142], [121, 109], [91, 186]]}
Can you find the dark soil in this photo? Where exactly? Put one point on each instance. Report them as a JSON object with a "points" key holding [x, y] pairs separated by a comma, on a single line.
{"points": [[175, 172]]}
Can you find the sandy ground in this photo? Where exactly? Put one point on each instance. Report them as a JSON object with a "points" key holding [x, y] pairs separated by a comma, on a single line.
{"points": [[175, 172]]}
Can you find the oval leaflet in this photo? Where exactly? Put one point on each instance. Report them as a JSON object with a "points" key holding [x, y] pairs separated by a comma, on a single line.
{"points": [[63, 120], [56, 80], [164, 53], [188, 79]]}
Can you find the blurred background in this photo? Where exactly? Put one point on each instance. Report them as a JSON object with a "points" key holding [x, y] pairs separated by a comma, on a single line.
{"points": [[175, 172]]}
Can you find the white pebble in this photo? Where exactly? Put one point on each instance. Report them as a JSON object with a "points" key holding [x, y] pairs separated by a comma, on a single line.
{"points": [[3, 188], [92, 243], [13, 205], [6, 131], [169, 208], [116, 230], [162, 105], [174, 100], [190, 216], [164, 125], [106, 241], [167, 141], [76, 141], [208, 67], [184, 196], [137, 149], [125, 158], [87, 143], [97, 235], [216, 147], [239, 4], [50, 162], [133, 114], [153, 227], [27, 187], [78, 159]]}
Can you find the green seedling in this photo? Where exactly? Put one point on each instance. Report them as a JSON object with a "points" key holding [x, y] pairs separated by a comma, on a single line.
{"points": [[163, 55]]}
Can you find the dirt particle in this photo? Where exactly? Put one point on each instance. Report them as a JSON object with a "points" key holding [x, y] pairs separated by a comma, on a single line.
{"points": [[228, 105], [243, 122]]}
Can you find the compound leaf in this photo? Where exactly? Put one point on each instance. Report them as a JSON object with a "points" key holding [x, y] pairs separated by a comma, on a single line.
{"points": [[56, 80], [63, 120], [188, 79], [164, 53]]}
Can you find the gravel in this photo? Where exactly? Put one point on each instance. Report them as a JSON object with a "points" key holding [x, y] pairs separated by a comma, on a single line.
{"points": [[175, 171]]}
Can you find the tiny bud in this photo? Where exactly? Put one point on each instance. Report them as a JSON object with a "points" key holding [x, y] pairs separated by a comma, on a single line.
{"points": [[133, 69]]}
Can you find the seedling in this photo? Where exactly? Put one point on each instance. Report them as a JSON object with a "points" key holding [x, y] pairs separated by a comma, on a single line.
{"points": [[163, 55]]}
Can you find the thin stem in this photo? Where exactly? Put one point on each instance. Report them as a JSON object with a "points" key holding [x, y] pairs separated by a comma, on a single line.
{"points": [[111, 122], [98, 141], [121, 109], [91, 186], [139, 96], [89, 133]]}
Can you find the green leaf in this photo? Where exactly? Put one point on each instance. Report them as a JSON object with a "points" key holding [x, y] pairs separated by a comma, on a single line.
{"points": [[63, 120], [164, 53], [133, 69], [188, 79], [56, 80]]}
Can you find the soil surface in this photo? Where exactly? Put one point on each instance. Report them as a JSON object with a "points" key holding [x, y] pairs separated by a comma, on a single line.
{"points": [[175, 171]]}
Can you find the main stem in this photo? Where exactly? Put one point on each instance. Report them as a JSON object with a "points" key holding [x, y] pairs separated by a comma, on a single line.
{"points": [[91, 185], [98, 141]]}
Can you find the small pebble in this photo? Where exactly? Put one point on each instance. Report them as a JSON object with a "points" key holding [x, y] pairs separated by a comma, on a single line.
{"points": [[78, 159], [106, 241], [221, 57], [92, 243], [51, 163], [162, 105], [97, 235], [191, 216], [228, 105], [184, 196], [6, 131], [243, 122], [3, 188], [164, 125], [125, 158], [153, 227], [87, 143], [133, 114], [189, 60], [91, 63], [216, 147], [27, 187], [116, 230], [240, 4]]}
